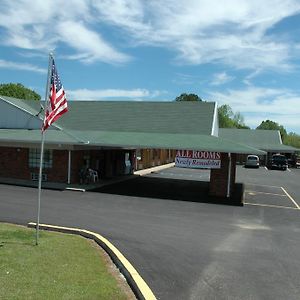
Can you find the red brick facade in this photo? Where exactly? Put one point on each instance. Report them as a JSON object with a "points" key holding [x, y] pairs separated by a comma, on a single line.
{"points": [[219, 177], [14, 163]]}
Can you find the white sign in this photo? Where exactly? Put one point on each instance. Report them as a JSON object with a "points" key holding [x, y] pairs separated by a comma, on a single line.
{"points": [[198, 159]]}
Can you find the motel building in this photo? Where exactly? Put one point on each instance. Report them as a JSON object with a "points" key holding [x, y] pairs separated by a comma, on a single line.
{"points": [[111, 137]]}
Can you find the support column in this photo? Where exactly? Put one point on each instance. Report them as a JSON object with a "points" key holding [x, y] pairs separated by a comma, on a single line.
{"points": [[69, 166], [222, 181], [229, 176]]}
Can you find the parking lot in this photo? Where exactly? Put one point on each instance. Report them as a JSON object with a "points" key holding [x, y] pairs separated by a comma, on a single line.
{"points": [[271, 188], [183, 249], [270, 196]]}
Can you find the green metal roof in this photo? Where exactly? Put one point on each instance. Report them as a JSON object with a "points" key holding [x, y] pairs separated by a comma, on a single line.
{"points": [[34, 136], [268, 140], [156, 117], [131, 116], [127, 140], [167, 140]]}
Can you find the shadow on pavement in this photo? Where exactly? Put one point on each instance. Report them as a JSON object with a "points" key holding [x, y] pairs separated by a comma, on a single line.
{"points": [[172, 189]]}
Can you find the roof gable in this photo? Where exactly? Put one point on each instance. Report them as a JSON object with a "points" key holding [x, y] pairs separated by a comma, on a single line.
{"points": [[18, 114]]}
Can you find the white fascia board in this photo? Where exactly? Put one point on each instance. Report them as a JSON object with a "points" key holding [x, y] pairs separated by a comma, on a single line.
{"points": [[215, 122], [279, 137]]}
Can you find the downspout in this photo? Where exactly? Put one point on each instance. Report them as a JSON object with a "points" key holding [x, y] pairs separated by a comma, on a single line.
{"points": [[69, 166], [229, 175]]}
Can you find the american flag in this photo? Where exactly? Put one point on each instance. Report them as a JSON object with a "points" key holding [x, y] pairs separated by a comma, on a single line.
{"points": [[57, 104]]}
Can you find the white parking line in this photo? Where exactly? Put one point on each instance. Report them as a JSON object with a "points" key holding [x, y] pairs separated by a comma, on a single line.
{"points": [[273, 186], [291, 198], [266, 168], [256, 192], [270, 205], [289, 170]]}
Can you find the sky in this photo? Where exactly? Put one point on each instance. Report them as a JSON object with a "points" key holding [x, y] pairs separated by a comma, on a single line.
{"points": [[238, 52]]}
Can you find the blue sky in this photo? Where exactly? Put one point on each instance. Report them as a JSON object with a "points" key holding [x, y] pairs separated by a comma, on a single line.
{"points": [[237, 52]]}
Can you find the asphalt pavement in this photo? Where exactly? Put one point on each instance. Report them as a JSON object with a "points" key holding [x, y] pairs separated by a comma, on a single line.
{"points": [[184, 249]]}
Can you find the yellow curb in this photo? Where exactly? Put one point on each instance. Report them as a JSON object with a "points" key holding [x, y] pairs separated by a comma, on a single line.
{"points": [[137, 283]]}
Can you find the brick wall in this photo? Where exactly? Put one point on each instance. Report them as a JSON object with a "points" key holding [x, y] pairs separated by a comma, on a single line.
{"points": [[14, 163], [219, 177], [59, 170]]}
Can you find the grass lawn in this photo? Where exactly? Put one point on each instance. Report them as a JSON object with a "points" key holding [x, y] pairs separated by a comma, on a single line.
{"points": [[62, 266]]}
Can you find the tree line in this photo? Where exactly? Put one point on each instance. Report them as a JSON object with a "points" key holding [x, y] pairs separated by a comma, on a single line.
{"points": [[18, 90]]}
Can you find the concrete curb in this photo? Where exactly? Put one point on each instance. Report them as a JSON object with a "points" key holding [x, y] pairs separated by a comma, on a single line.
{"points": [[136, 282], [154, 169]]}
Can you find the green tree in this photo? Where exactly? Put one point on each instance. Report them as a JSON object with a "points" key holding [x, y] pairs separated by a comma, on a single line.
{"points": [[271, 125], [188, 97], [229, 119], [292, 139], [18, 90]]}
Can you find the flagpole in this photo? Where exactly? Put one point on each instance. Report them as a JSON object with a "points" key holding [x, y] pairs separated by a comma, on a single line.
{"points": [[42, 149]]}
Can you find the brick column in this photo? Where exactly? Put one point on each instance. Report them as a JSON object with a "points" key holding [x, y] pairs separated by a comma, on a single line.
{"points": [[219, 177]]}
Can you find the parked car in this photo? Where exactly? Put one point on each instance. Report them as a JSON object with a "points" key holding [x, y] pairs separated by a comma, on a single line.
{"points": [[279, 162], [252, 161]]}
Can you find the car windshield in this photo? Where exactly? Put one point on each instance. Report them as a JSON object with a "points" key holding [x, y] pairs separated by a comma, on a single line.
{"points": [[252, 158], [279, 158]]}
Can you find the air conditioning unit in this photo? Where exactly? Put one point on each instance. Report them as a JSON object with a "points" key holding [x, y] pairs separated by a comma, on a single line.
{"points": [[35, 177]]}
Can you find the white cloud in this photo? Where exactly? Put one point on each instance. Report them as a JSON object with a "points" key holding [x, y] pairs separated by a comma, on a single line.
{"points": [[252, 75], [232, 32], [47, 24], [89, 45], [85, 94], [10, 65], [258, 104], [221, 78]]}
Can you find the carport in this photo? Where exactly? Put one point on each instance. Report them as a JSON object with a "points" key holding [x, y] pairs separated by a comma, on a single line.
{"points": [[267, 140], [222, 181]]}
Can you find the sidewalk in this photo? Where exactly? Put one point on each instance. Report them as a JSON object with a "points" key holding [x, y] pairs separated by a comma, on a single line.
{"points": [[63, 186], [154, 169], [81, 187]]}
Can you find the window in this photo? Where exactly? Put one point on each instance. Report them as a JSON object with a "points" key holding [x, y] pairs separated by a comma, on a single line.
{"points": [[34, 158], [138, 154]]}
